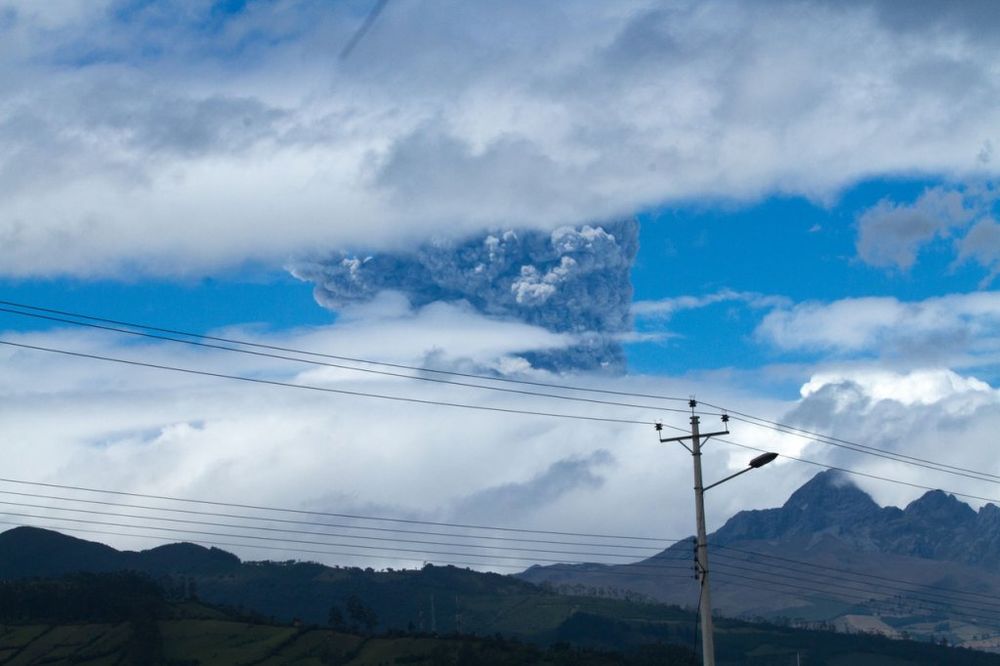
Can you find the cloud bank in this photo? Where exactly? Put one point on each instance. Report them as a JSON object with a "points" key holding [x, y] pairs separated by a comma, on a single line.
{"points": [[179, 138]]}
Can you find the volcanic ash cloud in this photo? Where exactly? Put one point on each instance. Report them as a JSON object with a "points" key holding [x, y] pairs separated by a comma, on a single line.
{"points": [[573, 280]]}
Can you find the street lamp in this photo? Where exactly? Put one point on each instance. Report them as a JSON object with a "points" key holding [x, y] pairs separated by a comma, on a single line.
{"points": [[701, 549], [756, 463]]}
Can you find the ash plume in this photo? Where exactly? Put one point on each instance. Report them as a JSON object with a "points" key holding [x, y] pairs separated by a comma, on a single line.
{"points": [[573, 280]]}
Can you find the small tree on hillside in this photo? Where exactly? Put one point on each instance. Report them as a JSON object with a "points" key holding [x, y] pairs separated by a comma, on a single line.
{"points": [[335, 619], [361, 615]]}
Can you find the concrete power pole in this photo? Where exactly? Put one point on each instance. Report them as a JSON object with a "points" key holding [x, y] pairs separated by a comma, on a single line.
{"points": [[707, 628], [701, 546], [698, 440]]}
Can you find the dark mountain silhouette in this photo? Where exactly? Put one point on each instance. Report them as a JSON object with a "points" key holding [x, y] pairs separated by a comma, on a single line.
{"points": [[284, 590], [27, 552]]}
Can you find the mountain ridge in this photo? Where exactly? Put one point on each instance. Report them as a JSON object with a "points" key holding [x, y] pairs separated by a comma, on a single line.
{"points": [[936, 525]]}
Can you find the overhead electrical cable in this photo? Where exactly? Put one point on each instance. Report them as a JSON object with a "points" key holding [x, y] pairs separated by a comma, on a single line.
{"points": [[306, 512], [401, 366], [867, 475], [452, 404], [341, 366], [741, 580], [923, 592], [312, 523], [779, 561], [36, 311], [457, 405], [866, 587], [874, 451], [322, 389], [868, 597], [837, 590], [929, 465], [293, 541], [289, 549], [280, 530], [296, 547]]}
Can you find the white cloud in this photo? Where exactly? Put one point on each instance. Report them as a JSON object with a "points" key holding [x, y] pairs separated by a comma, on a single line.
{"points": [[665, 308], [956, 330], [935, 414], [916, 388], [169, 139]]}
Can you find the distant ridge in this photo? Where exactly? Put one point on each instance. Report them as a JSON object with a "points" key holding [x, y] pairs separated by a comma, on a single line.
{"points": [[32, 552], [933, 526]]}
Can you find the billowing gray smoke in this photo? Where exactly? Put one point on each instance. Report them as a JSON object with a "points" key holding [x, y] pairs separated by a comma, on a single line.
{"points": [[572, 280]]}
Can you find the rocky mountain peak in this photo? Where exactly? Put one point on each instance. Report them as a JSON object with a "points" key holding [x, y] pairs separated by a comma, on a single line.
{"points": [[939, 507], [826, 503], [831, 493]]}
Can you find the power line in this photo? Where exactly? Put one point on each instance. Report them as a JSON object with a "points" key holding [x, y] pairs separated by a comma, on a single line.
{"points": [[839, 589], [742, 416], [294, 547], [840, 570], [867, 587], [363, 29], [854, 472], [278, 530], [341, 366], [740, 580], [187, 370], [858, 447], [847, 470], [292, 541], [367, 528], [892, 584], [830, 588], [769, 585], [408, 521], [400, 366], [322, 389]]}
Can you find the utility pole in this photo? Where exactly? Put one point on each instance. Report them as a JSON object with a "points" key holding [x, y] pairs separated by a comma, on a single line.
{"points": [[707, 628], [698, 439]]}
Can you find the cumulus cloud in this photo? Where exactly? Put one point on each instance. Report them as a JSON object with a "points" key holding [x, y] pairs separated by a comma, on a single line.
{"points": [[177, 138], [572, 281], [935, 414]]}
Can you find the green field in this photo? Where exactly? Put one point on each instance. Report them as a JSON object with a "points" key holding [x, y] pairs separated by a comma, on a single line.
{"points": [[189, 642]]}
